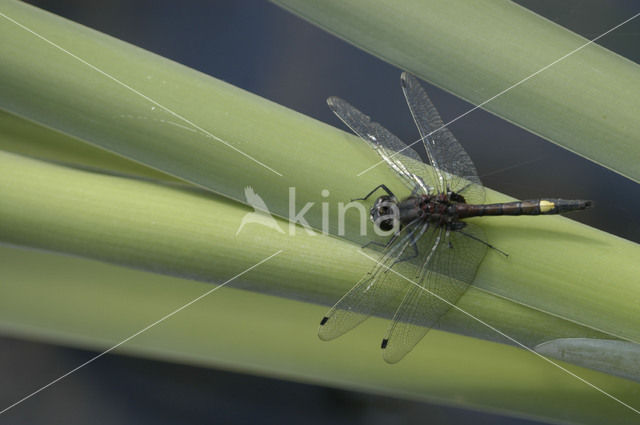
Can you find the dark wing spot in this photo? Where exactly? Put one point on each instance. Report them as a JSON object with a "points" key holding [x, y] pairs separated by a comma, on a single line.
{"points": [[324, 320], [384, 343]]}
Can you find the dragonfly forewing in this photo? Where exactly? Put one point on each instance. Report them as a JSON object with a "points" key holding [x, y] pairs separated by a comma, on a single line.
{"points": [[455, 170], [413, 172]]}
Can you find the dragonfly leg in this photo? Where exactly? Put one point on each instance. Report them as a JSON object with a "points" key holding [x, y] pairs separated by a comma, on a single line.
{"points": [[380, 244], [368, 244], [414, 245], [483, 242], [382, 186]]}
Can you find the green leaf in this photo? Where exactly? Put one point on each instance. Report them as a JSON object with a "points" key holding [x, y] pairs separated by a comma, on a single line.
{"points": [[586, 102], [615, 357]]}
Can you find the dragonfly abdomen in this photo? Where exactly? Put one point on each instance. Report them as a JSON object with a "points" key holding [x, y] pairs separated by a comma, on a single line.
{"points": [[528, 207]]}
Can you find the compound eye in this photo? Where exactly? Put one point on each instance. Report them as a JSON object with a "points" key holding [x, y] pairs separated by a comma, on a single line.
{"points": [[386, 225]]}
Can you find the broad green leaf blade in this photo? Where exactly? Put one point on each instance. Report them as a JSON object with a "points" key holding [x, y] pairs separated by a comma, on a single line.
{"points": [[88, 304], [586, 103]]}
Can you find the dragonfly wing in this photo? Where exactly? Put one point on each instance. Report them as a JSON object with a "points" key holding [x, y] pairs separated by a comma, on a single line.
{"points": [[413, 171], [403, 335], [358, 304], [447, 272], [377, 288], [455, 170]]}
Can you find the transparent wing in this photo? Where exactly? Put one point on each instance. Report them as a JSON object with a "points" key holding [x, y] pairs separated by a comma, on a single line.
{"points": [[454, 169], [447, 272], [377, 288], [413, 171]]}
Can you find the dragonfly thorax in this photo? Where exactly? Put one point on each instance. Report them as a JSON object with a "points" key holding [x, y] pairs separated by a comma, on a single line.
{"points": [[439, 209], [388, 213]]}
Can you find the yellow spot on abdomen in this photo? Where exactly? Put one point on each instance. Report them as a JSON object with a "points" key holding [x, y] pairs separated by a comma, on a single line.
{"points": [[546, 206]]}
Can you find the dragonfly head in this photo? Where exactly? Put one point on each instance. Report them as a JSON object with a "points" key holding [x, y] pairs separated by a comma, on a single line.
{"points": [[385, 212]]}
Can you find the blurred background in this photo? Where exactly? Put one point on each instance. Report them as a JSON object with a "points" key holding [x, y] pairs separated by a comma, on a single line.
{"points": [[265, 50]]}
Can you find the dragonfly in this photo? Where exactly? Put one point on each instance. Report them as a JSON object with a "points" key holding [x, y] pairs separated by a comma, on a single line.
{"points": [[431, 236]]}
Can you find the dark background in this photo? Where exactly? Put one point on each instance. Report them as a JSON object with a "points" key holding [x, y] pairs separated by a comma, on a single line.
{"points": [[265, 50]]}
